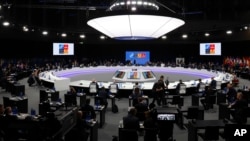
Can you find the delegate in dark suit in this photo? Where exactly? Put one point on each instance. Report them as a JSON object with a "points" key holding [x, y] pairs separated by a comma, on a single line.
{"points": [[131, 123]]}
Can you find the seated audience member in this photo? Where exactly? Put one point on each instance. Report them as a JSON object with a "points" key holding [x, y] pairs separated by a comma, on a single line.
{"points": [[103, 94], [239, 109], [213, 83], [88, 110], [72, 90], [231, 93], [81, 127], [131, 121], [150, 123], [135, 95], [51, 124], [141, 108], [206, 100], [9, 114]]}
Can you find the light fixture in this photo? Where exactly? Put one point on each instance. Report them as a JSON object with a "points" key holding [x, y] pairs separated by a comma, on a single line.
{"points": [[136, 19]]}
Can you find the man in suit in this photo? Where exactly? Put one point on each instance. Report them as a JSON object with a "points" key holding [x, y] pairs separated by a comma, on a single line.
{"points": [[103, 95], [239, 107], [231, 93], [141, 108], [131, 121], [213, 83], [88, 110]]}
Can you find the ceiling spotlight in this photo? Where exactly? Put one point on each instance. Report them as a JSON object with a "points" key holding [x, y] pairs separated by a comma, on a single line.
{"points": [[229, 32], [63, 34], [150, 21], [164, 37], [82, 36], [102, 37], [6, 23], [26, 29], [45, 32], [184, 36], [207, 34]]}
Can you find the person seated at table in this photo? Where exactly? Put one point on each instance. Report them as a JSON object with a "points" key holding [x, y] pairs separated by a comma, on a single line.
{"points": [[239, 107], [51, 124], [72, 90], [103, 95], [81, 127], [231, 93], [131, 122], [151, 127], [9, 114], [206, 100], [141, 108], [135, 95], [88, 110], [213, 83]]}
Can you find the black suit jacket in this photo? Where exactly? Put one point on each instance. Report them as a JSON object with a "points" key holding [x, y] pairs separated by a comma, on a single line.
{"points": [[131, 122], [88, 109]]}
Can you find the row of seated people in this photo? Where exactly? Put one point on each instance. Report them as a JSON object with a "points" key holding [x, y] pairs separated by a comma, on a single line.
{"points": [[14, 127], [153, 127]]}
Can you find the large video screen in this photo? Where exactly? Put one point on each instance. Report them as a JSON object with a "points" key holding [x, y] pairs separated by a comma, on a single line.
{"points": [[138, 57], [133, 75], [210, 48], [63, 48]]}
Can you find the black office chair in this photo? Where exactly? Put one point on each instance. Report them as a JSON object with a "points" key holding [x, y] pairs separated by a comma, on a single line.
{"points": [[6, 101], [176, 100], [150, 134], [211, 133], [55, 96], [128, 135], [192, 113], [43, 96]]}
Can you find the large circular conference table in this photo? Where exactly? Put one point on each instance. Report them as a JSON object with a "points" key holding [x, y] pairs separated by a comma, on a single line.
{"points": [[104, 75]]}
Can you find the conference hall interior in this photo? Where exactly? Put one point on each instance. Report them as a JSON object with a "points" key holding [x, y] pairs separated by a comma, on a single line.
{"points": [[138, 70]]}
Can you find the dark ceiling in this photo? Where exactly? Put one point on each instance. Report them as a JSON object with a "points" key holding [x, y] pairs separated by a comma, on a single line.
{"points": [[71, 16]]}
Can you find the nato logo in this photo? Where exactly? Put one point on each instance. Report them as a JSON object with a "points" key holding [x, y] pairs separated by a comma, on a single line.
{"points": [[132, 55], [207, 48], [61, 49]]}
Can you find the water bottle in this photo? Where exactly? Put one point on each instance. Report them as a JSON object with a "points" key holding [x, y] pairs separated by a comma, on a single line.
{"points": [[32, 112], [15, 110]]}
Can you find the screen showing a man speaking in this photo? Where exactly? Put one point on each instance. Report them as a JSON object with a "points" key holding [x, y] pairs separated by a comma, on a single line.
{"points": [[138, 57]]}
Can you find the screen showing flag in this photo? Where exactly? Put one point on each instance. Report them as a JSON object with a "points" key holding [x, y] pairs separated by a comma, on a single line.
{"points": [[138, 57], [210, 48], [63, 49]]}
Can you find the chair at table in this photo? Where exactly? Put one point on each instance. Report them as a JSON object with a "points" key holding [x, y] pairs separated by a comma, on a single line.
{"points": [[211, 133], [192, 113], [150, 134], [55, 96], [176, 100], [128, 135]]}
